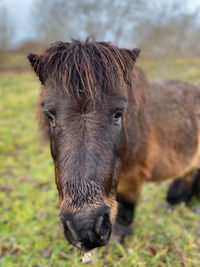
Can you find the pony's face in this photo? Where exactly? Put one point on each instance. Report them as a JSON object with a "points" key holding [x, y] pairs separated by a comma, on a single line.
{"points": [[87, 140], [87, 148]]}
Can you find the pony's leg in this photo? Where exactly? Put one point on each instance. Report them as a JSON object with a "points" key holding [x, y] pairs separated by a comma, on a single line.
{"points": [[127, 197], [124, 218], [196, 186], [183, 188]]}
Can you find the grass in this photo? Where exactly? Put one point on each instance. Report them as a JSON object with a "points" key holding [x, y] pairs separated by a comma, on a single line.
{"points": [[13, 60], [30, 231]]}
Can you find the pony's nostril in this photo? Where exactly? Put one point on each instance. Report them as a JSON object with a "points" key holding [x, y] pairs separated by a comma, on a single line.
{"points": [[70, 227], [103, 228], [99, 224]]}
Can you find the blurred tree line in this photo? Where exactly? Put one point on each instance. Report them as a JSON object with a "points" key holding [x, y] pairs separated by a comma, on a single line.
{"points": [[159, 27], [7, 29]]}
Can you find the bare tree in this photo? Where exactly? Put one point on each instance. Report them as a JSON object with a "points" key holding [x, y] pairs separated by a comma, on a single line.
{"points": [[102, 20], [157, 26], [171, 31], [109, 20], [52, 19], [7, 29]]}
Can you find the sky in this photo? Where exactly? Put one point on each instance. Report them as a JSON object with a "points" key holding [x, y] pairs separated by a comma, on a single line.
{"points": [[20, 12]]}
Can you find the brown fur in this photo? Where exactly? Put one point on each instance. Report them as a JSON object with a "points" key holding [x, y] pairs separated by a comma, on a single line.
{"points": [[84, 85], [169, 137], [164, 142], [85, 72]]}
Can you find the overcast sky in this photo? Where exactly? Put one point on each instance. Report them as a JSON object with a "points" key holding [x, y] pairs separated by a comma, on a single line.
{"points": [[20, 11]]}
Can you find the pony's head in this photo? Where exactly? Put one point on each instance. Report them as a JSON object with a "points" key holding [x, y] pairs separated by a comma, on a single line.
{"points": [[85, 94]]}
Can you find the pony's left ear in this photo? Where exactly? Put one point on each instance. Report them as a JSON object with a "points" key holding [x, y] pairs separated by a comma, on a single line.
{"points": [[133, 54], [37, 64], [136, 53]]}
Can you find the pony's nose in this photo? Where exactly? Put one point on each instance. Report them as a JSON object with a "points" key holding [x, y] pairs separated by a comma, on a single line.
{"points": [[87, 230]]}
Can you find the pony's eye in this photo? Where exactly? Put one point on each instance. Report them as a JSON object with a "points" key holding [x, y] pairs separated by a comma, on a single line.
{"points": [[117, 117], [51, 119]]}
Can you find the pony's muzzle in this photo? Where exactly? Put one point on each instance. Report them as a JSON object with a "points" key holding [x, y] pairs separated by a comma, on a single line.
{"points": [[89, 229]]}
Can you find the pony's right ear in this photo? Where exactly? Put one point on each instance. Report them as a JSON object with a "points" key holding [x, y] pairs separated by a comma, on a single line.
{"points": [[37, 64]]}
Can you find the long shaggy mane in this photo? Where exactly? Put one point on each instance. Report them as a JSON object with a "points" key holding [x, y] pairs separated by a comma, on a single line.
{"points": [[89, 68]]}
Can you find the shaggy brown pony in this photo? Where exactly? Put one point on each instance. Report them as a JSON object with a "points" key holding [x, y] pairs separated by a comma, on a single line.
{"points": [[110, 131]]}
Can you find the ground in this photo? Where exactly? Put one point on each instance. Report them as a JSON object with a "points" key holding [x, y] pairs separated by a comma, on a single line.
{"points": [[30, 231]]}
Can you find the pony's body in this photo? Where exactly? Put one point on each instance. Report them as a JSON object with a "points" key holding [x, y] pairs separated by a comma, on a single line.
{"points": [[110, 131], [174, 106], [168, 136]]}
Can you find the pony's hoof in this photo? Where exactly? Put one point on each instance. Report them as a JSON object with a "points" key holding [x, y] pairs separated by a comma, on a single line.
{"points": [[119, 233], [116, 238]]}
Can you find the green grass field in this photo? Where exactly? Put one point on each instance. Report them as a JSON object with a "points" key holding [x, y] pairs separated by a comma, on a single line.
{"points": [[30, 231]]}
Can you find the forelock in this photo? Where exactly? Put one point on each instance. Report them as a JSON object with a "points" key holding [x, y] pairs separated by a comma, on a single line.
{"points": [[88, 69]]}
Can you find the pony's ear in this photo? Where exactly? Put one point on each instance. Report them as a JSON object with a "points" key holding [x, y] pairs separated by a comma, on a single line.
{"points": [[133, 54], [37, 64], [136, 53]]}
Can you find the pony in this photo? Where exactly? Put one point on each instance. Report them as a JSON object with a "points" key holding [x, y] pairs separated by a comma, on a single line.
{"points": [[110, 131]]}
